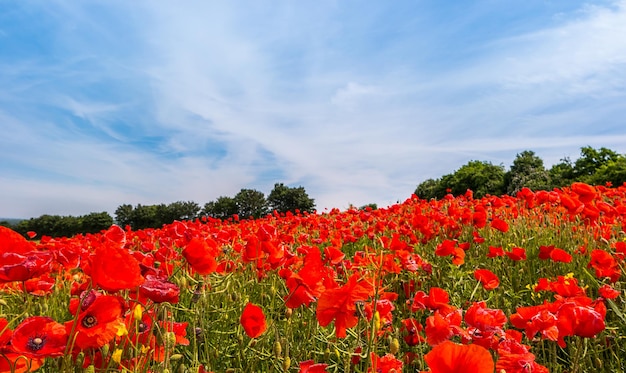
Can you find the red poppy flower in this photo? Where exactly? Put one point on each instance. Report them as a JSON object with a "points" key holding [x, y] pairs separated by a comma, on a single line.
{"points": [[253, 320], [449, 357], [586, 193], [605, 265], [410, 332], [307, 285], [607, 292], [39, 336], [114, 268], [11, 241], [385, 364], [40, 286], [97, 324], [513, 357], [500, 225], [200, 254], [339, 304], [579, 320], [442, 326], [485, 325], [159, 290], [309, 366], [517, 254], [437, 298], [450, 248], [21, 267], [495, 251], [489, 280]]}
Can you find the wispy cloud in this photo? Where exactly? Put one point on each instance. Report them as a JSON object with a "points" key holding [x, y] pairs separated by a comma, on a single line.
{"points": [[153, 102]]}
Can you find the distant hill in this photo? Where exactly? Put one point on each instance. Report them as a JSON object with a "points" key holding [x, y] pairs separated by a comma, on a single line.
{"points": [[11, 221]]}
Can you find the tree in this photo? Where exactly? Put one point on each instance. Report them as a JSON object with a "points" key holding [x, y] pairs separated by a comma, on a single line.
{"points": [[283, 198], [222, 208], [562, 173], [166, 214], [592, 160], [95, 222], [430, 188], [528, 171], [251, 203], [482, 178], [123, 215], [613, 172], [145, 217]]}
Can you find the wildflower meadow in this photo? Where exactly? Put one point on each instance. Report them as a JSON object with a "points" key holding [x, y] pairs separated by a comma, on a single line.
{"points": [[506, 284]]}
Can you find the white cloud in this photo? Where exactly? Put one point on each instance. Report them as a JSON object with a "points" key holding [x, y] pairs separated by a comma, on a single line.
{"points": [[235, 96]]}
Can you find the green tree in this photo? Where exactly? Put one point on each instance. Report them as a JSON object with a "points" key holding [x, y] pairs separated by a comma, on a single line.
{"points": [[123, 215], [283, 198], [562, 173], [369, 207], [251, 203], [222, 208], [145, 217], [180, 210], [430, 188], [613, 171], [96, 222], [482, 178], [528, 171], [592, 160]]}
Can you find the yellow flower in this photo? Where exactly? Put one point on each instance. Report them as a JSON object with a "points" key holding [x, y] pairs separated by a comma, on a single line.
{"points": [[138, 312], [121, 330], [117, 355]]}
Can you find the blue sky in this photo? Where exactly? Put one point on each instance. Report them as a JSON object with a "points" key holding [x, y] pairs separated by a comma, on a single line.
{"points": [[112, 102]]}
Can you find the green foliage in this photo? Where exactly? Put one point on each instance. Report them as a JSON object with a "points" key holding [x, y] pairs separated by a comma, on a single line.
{"points": [[251, 203], [613, 171], [562, 173], [369, 207], [222, 208], [595, 166], [528, 171], [60, 226], [591, 160], [283, 198], [430, 188], [480, 177]]}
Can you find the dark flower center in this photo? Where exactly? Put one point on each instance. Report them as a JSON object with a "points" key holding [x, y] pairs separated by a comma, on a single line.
{"points": [[89, 321], [142, 327], [36, 343]]}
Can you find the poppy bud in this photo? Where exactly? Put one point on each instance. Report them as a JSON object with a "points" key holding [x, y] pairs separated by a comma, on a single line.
{"points": [[376, 322], [286, 363], [90, 369], [288, 313], [278, 349], [176, 357], [169, 339], [394, 346]]}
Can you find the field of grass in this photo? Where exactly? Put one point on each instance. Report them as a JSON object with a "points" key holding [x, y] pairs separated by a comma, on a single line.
{"points": [[531, 283]]}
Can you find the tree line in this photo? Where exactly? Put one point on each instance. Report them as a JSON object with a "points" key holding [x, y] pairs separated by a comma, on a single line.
{"points": [[248, 203], [594, 166]]}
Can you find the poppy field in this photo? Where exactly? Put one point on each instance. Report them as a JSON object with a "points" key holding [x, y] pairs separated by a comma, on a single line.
{"points": [[514, 284]]}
